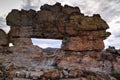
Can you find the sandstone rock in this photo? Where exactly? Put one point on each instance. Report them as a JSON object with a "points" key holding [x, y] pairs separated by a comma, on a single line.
{"points": [[17, 32], [21, 41], [31, 49], [1, 74], [35, 75], [4, 41], [91, 61], [74, 73], [82, 44], [69, 10], [27, 17], [111, 49], [3, 38], [92, 35], [80, 57], [74, 79], [5, 69], [13, 18], [17, 18], [55, 8], [70, 61], [56, 74], [53, 20], [58, 22]]}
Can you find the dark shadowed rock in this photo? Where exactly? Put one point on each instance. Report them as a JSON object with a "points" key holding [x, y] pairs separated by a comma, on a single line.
{"points": [[21, 18], [54, 19], [69, 10], [3, 40]]}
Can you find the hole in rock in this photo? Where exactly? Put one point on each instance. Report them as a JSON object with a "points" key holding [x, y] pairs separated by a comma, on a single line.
{"points": [[47, 43], [11, 44]]}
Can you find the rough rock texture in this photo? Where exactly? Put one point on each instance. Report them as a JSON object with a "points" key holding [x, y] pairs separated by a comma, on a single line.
{"points": [[80, 58], [33, 63], [82, 44], [21, 41], [3, 40], [59, 22]]}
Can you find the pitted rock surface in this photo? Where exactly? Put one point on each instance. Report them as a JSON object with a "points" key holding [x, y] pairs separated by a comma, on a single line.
{"points": [[59, 22], [81, 56]]}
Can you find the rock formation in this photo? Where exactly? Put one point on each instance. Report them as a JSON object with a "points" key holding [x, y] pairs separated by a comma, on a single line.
{"points": [[81, 56], [78, 32], [3, 40]]}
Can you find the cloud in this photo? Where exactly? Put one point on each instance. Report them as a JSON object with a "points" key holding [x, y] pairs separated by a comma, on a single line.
{"points": [[44, 43], [108, 9], [114, 39], [30, 4], [3, 25], [115, 27], [117, 21]]}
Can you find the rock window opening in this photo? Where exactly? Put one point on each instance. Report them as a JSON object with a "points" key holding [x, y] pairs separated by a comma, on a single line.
{"points": [[11, 44], [47, 43]]}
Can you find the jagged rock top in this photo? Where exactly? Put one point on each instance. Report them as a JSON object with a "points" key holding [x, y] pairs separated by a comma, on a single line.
{"points": [[55, 22], [56, 16]]}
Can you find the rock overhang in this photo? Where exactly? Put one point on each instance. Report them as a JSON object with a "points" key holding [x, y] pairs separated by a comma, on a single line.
{"points": [[53, 19], [58, 22]]}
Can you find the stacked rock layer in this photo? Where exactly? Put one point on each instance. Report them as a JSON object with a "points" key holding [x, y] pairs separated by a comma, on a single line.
{"points": [[78, 32], [3, 40]]}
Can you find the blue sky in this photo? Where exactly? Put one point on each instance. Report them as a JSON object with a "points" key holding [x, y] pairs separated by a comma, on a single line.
{"points": [[108, 9]]}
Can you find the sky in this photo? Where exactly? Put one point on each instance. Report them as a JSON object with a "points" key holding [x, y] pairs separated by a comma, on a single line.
{"points": [[108, 9]]}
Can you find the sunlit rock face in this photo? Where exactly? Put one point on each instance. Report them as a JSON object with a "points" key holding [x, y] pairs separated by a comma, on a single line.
{"points": [[59, 22]]}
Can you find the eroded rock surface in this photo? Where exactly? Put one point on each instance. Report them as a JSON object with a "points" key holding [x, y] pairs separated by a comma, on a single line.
{"points": [[59, 22], [21, 41], [33, 63], [3, 40], [80, 58]]}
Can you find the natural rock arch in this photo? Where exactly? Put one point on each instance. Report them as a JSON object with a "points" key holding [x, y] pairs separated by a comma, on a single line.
{"points": [[3, 39], [78, 32]]}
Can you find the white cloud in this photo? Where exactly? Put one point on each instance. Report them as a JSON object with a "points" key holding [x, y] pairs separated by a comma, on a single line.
{"points": [[107, 8], [44, 43], [7, 5], [30, 4], [114, 39]]}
